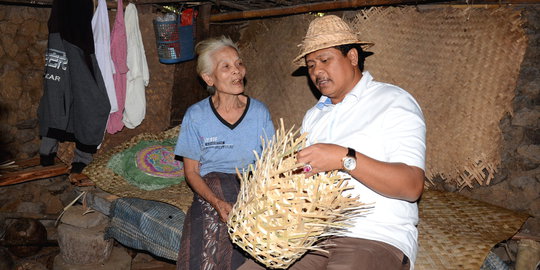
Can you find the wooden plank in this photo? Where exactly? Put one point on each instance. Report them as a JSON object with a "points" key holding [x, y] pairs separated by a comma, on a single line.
{"points": [[33, 173]]}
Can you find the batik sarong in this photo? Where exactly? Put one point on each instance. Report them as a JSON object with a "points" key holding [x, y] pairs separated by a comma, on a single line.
{"points": [[205, 243]]}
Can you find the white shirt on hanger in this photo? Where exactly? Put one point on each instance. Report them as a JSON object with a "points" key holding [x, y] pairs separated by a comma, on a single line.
{"points": [[138, 75], [102, 44]]}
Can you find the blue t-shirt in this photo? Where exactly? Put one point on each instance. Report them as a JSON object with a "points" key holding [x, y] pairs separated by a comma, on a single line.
{"points": [[218, 145]]}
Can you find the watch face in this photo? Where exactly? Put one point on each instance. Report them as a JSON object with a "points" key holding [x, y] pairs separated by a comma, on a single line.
{"points": [[349, 163]]}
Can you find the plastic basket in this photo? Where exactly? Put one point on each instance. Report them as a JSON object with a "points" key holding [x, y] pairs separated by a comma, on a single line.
{"points": [[174, 42], [167, 41], [187, 41]]}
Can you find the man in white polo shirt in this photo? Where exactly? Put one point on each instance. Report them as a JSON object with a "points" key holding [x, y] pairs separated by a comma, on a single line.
{"points": [[375, 134]]}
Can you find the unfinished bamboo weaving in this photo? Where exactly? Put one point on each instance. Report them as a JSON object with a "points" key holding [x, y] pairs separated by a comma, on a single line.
{"points": [[280, 214]]}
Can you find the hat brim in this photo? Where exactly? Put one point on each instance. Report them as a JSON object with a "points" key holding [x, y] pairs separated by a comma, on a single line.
{"points": [[298, 60]]}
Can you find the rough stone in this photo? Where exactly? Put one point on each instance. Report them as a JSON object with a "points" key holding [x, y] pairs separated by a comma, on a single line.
{"points": [[53, 203], [531, 88], [25, 135], [27, 124], [74, 217], [521, 182], [67, 197], [6, 136], [533, 134], [31, 207], [119, 260], [34, 84], [15, 15], [8, 29], [3, 12], [10, 83], [500, 177], [29, 27], [29, 265], [58, 187], [30, 149], [36, 54], [81, 246], [527, 117], [27, 196], [531, 152], [6, 261], [43, 32], [10, 47], [22, 46], [24, 106]]}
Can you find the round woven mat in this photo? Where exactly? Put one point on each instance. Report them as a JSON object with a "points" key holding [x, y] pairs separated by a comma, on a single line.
{"points": [[179, 195], [456, 232]]}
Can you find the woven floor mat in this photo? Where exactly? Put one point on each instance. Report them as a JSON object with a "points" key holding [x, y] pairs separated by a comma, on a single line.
{"points": [[456, 232], [179, 195]]}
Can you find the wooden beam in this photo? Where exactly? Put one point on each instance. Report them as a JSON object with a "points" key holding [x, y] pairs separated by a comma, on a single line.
{"points": [[297, 9], [344, 4], [28, 2], [111, 4], [233, 5]]}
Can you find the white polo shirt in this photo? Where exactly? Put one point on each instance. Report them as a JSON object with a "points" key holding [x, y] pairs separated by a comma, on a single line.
{"points": [[384, 122]]}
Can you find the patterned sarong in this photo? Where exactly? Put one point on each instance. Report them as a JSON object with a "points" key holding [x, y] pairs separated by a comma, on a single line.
{"points": [[205, 243]]}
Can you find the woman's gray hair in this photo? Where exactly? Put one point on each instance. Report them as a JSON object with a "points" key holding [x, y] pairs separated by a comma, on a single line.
{"points": [[205, 49]]}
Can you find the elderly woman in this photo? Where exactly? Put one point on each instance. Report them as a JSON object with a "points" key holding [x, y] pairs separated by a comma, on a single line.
{"points": [[218, 135]]}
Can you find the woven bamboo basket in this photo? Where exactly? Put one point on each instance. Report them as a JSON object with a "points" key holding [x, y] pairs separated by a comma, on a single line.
{"points": [[280, 214]]}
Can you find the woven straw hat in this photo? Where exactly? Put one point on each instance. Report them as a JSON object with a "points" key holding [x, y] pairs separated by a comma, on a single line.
{"points": [[325, 32]]}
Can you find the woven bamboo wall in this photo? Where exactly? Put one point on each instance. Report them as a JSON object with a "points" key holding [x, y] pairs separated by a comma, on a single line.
{"points": [[268, 47], [460, 64]]}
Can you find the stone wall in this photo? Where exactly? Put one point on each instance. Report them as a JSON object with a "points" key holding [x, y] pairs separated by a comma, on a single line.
{"points": [[22, 51], [23, 42]]}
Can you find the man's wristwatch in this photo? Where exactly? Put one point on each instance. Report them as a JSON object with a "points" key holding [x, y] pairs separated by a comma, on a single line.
{"points": [[349, 161]]}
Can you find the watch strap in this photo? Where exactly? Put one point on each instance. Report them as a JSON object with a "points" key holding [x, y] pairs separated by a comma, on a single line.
{"points": [[351, 152]]}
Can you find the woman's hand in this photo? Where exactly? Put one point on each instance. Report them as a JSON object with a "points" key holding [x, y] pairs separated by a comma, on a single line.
{"points": [[195, 181], [223, 208]]}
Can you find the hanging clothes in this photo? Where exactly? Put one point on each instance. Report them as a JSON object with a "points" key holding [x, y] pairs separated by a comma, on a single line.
{"points": [[138, 75], [74, 105], [102, 44], [119, 58]]}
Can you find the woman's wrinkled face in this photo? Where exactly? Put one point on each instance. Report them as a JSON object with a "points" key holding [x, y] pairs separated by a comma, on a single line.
{"points": [[228, 72]]}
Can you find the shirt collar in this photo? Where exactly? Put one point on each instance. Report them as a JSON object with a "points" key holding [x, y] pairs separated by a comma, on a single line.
{"points": [[355, 93], [324, 101]]}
